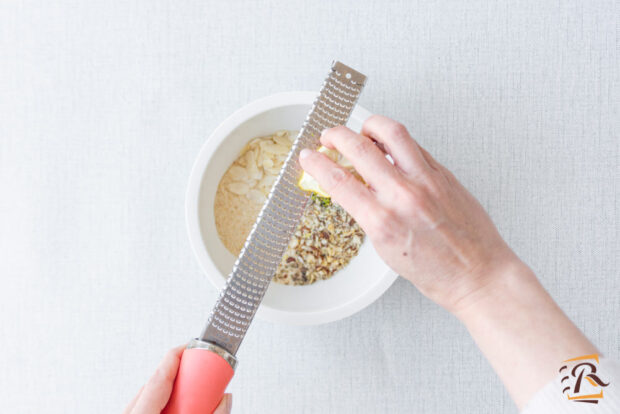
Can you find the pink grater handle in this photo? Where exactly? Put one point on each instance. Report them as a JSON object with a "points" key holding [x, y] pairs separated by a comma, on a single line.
{"points": [[200, 382]]}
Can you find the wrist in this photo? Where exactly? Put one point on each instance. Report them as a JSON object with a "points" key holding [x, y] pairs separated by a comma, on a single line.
{"points": [[503, 281], [520, 329]]}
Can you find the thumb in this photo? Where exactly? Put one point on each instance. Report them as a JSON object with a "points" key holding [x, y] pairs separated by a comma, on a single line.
{"points": [[225, 405]]}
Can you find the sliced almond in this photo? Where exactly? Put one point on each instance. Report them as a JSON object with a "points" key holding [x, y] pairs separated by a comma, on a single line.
{"points": [[238, 173], [267, 181], [255, 142], [256, 196], [283, 140], [281, 158], [238, 188], [245, 149], [275, 170], [254, 172], [267, 162], [249, 158], [275, 149]]}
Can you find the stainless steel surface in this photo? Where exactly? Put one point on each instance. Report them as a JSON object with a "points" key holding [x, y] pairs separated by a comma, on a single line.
{"points": [[278, 218], [228, 357]]}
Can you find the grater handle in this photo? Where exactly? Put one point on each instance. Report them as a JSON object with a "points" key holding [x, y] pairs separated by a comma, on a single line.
{"points": [[200, 382]]}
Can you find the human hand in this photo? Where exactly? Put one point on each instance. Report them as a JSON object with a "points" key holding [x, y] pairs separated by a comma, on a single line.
{"points": [[420, 219], [433, 232], [154, 395]]}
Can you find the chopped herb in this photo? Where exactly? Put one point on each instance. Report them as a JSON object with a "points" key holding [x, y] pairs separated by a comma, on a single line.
{"points": [[324, 201]]}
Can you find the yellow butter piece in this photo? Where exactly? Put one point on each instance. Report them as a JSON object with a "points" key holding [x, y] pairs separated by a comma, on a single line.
{"points": [[308, 183]]}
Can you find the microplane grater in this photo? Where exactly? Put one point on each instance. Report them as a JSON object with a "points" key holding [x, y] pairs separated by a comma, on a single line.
{"points": [[203, 376], [268, 239]]}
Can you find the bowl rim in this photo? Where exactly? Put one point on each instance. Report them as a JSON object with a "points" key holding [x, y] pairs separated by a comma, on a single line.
{"points": [[192, 219]]}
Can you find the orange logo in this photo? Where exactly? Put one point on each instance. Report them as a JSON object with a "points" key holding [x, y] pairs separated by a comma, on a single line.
{"points": [[581, 382]]}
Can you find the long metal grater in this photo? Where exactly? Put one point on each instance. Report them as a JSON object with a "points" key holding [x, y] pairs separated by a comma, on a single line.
{"points": [[267, 242], [208, 363]]}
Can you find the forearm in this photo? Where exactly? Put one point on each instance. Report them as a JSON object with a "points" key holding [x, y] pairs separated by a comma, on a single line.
{"points": [[522, 331]]}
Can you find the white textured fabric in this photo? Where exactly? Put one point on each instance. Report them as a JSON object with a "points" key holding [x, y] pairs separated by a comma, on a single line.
{"points": [[105, 104], [551, 399]]}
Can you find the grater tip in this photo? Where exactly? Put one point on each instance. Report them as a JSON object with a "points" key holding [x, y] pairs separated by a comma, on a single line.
{"points": [[348, 73]]}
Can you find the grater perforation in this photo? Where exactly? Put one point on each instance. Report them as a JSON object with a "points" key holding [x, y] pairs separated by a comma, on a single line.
{"points": [[268, 239], [326, 114]]}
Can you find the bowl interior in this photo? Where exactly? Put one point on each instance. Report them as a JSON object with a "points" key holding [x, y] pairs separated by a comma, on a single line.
{"points": [[362, 274]]}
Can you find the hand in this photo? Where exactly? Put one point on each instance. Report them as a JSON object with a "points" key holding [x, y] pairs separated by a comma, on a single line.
{"points": [[432, 231], [420, 219], [154, 395]]}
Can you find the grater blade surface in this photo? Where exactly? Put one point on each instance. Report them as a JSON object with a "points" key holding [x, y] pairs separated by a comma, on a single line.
{"points": [[268, 239]]}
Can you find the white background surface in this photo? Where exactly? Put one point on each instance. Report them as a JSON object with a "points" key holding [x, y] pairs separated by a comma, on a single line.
{"points": [[105, 104]]}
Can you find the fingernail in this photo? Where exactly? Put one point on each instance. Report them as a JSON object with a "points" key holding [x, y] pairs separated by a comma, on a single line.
{"points": [[304, 153], [324, 131]]}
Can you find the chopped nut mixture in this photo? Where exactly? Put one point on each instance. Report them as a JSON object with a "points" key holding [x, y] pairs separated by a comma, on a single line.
{"points": [[326, 238]]}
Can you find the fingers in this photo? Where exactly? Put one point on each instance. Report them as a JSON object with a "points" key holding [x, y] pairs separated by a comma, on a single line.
{"points": [[156, 392], [132, 404], [340, 184], [225, 405], [366, 157], [397, 142]]}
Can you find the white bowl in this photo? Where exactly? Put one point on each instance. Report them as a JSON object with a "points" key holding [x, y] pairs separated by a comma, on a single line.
{"points": [[350, 290]]}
